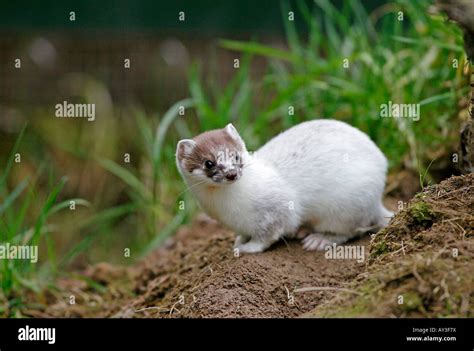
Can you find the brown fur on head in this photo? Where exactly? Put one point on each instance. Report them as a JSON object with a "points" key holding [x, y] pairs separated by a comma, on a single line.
{"points": [[216, 155]]}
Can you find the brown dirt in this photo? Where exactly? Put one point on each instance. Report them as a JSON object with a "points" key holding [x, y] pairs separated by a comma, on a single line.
{"points": [[197, 275]]}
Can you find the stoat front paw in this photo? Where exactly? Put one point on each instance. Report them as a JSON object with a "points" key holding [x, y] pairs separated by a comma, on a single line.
{"points": [[251, 247], [239, 240]]}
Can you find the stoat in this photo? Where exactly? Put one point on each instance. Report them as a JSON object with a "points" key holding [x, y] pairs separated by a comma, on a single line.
{"points": [[324, 175]]}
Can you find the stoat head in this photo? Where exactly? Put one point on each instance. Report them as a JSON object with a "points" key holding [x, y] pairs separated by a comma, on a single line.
{"points": [[216, 157]]}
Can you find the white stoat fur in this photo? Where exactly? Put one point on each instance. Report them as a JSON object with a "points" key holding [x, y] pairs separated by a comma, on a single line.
{"points": [[323, 174]]}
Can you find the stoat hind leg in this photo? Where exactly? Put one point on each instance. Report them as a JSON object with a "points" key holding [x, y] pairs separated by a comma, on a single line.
{"points": [[319, 241]]}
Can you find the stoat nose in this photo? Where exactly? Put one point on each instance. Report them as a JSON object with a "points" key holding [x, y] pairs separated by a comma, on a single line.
{"points": [[231, 175]]}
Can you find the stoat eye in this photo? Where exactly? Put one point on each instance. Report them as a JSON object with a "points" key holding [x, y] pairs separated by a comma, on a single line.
{"points": [[209, 164], [237, 158]]}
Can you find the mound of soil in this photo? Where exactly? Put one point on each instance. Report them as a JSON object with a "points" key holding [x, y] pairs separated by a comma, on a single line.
{"points": [[199, 276], [422, 264]]}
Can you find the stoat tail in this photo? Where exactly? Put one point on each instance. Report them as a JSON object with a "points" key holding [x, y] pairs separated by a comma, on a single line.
{"points": [[382, 221], [385, 217]]}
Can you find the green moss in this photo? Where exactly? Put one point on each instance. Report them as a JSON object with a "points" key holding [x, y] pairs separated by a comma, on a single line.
{"points": [[357, 308], [379, 248], [422, 213]]}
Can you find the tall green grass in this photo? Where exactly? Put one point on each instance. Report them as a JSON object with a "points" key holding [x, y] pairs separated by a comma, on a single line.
{"points": [[25, 220], [145, 190], [408, 61]]}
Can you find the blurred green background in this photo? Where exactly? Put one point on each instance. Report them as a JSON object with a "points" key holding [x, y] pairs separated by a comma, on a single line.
{"points": [[399, 51]]}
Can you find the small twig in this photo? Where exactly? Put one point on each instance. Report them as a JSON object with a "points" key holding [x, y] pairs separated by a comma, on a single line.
{"points": [[440, 252], [418, 276], [150, 308], [457, 226], [443, 284], [455, 191], [451, 219], [325, 288], [174, 308], [402, 249]]}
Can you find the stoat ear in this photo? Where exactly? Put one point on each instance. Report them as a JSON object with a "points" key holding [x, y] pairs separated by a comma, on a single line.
{"points": [[185, 148], [230, 129]]}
